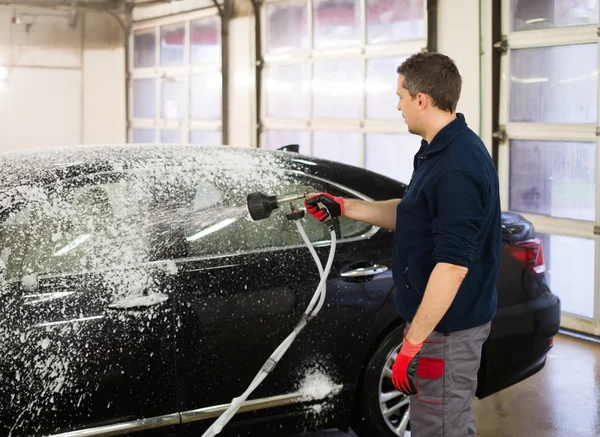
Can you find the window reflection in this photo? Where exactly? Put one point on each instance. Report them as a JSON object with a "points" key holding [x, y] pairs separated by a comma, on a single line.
{"points": [[556, 84], [343, 147], [205, 40], [547, 14], [336, 23], [172, 44], [173, 99], [287, 88], [337, 89], [144, 48], [553, 178], [395, 20], [287, 26]]}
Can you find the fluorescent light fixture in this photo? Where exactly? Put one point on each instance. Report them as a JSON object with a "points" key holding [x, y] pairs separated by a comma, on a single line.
{"points": [[3, 73], [214, 228]]}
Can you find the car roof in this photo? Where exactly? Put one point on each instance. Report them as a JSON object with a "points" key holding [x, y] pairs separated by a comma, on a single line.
{"points": [[24, 170]]}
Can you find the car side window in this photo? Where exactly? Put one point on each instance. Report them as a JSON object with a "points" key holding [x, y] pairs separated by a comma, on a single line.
{"points": [[73, 229], [222, 225]]}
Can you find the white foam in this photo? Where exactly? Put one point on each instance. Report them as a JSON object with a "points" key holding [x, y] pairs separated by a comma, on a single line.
{"points": [[316, 385]]}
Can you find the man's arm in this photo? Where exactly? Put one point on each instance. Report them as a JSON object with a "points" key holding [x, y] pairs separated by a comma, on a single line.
{"points": [[380, 213], [458, 201], [442, 287]]}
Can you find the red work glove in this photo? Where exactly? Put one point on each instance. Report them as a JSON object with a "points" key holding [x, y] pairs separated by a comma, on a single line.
{"points": [[324, 205], [404, 370]]}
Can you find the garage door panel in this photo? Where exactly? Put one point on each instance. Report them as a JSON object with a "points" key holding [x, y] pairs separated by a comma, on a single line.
{"points": [[381, 99], [570, 272], [398, 151], [548, 159], [287, 89], [547, 14], [556, 84], [279, 138], [287, 26], [337, 89], [553, 178], [205, 41], [336, 24], [343, 147]]}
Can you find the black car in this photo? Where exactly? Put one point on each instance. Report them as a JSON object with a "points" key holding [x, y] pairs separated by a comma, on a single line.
{"points": [[139, 298]]}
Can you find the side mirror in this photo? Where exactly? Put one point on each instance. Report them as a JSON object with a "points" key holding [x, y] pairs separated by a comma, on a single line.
{"points": [[294, 148]]}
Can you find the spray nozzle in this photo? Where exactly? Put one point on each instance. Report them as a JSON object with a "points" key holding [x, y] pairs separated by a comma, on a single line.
{"points": [[260, 205]]}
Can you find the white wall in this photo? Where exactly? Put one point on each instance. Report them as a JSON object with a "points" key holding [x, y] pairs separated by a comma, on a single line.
{"points": [[242, 103], [65, 84], [458, 37]]}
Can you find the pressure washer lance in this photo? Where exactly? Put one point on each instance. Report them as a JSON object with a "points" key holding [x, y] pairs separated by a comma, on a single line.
{"points": [[260, 207]]}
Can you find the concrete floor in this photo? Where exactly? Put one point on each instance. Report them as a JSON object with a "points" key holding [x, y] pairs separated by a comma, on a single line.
{"points": [[562, 400]]}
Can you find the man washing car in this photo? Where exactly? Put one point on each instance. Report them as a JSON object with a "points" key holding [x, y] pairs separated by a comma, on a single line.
{"points": [[446, 252]]}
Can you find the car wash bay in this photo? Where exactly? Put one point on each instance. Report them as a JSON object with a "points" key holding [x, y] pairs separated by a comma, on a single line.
{"points": [[320, 74]]}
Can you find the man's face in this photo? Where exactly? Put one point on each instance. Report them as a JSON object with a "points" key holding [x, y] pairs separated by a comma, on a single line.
{"points": [[408, 106]]}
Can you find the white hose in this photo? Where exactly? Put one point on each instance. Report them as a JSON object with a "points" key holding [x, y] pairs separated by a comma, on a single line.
{"points": [[318, 299]]}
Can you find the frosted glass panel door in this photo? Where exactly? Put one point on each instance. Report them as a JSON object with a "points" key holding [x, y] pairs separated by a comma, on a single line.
{"points": [[547, 14], [280, 138], [144, 98], [391, 154], [382, 102], [554, 84], [548, 142], [144, 43], [287, 27], [287, 89], [205, 40], [395, 20], [337, 89], [343, 147], [570, 269], [553, 178], [172, 45], [336, 23], [206, 96], [173, 99]]}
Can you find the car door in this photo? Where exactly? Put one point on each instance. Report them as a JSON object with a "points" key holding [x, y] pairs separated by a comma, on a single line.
{"points": [[245, 285], [88, 332]]}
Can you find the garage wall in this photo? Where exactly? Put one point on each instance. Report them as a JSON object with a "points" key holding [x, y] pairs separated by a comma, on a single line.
{"points": [[459, 37], [65, 81]]}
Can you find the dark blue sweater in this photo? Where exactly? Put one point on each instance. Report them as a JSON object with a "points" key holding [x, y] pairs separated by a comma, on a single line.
{"points": [[450, 213]]}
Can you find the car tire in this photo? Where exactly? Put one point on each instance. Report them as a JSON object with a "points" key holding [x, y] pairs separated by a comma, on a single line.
{"points": [[383, 410]]}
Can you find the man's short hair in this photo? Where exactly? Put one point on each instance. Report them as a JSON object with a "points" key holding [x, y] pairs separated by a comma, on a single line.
{"points": [[433, 74]]}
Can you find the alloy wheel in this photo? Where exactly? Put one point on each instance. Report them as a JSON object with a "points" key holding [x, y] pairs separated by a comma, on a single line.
{"points": [[393, 405]]}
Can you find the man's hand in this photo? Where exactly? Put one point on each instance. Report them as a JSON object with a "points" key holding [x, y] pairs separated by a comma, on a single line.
{"points": [[404, 370], [324, 205]]}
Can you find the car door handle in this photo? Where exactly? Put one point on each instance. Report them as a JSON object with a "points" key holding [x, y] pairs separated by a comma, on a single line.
{"points": [[375, 269]]}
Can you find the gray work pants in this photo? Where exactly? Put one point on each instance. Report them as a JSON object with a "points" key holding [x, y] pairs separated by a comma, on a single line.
{"points": [[446, 384]]}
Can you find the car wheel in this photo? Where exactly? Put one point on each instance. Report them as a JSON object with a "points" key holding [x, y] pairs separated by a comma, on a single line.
{"points": [[384, 411]]}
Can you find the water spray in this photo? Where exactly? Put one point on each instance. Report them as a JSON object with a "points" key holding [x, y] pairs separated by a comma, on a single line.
{"points": [[260, 206]]}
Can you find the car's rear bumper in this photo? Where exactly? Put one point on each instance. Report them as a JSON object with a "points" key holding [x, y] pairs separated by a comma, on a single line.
{"points": [[521, 337]]}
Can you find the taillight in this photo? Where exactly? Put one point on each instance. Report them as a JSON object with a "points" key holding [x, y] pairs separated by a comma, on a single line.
{"points": [[529, 254]]}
